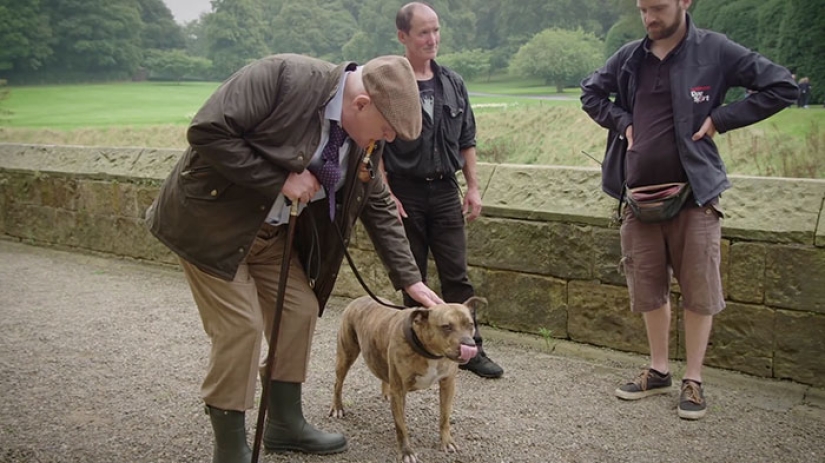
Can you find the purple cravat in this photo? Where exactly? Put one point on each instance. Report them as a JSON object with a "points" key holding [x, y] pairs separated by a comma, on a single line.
{"points": [[329, 172]]}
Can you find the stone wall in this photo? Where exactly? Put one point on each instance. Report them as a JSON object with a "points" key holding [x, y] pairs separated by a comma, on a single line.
{"points": [[544, 253]]}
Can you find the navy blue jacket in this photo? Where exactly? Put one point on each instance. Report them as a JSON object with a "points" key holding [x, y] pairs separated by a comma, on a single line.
{"points": [[704, 68]]}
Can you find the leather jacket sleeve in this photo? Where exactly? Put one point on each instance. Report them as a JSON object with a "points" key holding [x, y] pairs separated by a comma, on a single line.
{"points": [[223, 130], [380, 219]]}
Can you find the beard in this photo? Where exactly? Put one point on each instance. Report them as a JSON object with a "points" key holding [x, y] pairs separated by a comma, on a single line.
{"points": [[667, 31]]}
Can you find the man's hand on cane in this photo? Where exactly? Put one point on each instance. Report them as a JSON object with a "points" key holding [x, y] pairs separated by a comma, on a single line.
{"points": [[301, 187]]}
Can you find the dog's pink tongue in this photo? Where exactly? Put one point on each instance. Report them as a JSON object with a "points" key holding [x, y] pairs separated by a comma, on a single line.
{"points": [[468, 352]]}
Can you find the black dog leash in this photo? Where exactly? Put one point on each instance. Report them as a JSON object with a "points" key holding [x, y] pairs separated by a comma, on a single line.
{"points": [[409, 334], [358, 274]]}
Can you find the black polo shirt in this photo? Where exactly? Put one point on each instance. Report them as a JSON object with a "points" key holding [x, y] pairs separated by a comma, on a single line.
{"points": [[654, 156]]}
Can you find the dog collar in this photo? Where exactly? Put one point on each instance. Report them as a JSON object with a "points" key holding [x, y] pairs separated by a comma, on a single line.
{"points": [[415, 343]]}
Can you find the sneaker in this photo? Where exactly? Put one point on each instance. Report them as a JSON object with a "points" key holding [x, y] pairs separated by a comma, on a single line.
{"points": [[692, 405], [483, 366], [648, 383]]}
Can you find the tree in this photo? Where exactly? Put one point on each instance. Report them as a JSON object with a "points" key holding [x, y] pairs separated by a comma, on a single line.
{"points": [[769, 15], [457, 20], [521, 20], [803, 44], [627, 29], [735, 18], [175, 64], [236, 33], [705, 12], [470, 64], [24, 35], [312, 29], [376, 35], [560, 57], [4, 95], [95, 37], [486, 13], [160, 31], [194, 38], [359, 47]]}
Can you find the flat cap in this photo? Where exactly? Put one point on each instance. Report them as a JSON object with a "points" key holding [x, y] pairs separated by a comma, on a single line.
{"points": [[391, 84]]}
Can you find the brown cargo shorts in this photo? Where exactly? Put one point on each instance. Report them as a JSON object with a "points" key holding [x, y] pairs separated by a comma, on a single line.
{"points": [[687, 247]]}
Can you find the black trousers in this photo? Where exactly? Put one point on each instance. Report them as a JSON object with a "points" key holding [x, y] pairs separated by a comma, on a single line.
{"points": [[435, 224]]}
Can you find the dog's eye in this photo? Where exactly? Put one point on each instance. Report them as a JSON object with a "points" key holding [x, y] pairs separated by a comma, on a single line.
{"points": [[447, 328]]}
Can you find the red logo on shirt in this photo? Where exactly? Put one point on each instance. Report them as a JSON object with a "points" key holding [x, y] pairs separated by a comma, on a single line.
{"points": [[698, 94]]}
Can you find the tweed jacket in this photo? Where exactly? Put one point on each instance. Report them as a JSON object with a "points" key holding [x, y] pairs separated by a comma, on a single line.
{"points": [[263, 123]]}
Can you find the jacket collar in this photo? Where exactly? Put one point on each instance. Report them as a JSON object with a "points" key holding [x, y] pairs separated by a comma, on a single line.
{"points": [[436, 68], [335, 81]]}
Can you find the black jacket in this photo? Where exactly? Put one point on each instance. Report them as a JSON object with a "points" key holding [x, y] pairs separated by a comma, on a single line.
{"points": [[453, 128], [705, 67]]}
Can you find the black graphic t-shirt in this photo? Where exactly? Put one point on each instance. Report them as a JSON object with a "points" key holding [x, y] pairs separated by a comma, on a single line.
{"points": [[426, 88]]}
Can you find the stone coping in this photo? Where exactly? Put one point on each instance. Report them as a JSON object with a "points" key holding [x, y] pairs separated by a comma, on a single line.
{"points": [[778, 210], [88, 161]]}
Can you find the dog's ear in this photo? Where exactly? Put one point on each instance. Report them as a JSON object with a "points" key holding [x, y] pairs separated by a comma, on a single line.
{"points": [[475, 303], [420, 316]]}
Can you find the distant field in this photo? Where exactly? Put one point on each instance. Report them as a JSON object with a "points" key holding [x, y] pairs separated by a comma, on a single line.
{"points": [[68, 107], [514, 127]]}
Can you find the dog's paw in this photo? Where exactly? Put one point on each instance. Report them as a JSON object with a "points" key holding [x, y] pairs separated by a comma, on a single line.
{"points": [[409, 457], [336, 412], [449, 446]]}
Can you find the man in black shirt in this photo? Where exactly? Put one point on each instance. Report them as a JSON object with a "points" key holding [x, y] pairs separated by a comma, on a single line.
{"points": [[421, 172]]}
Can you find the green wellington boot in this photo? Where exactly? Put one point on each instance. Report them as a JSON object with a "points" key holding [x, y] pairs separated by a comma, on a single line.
{"points": [[287, 430], [230, 436]]}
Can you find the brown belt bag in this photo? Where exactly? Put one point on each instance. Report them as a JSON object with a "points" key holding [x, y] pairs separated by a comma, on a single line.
{"points": [[657, 203]]}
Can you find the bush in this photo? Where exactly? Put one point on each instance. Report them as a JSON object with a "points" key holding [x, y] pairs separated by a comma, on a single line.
{"points": [[4, 95]]}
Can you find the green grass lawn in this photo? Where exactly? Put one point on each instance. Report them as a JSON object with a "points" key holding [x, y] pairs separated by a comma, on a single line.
{"points": [[520, 87], [104, 105], [794, 122], [516, 126], [67, 107]]}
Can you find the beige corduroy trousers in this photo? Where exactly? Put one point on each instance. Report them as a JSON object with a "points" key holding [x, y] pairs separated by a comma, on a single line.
{"points": [[236, 314]]}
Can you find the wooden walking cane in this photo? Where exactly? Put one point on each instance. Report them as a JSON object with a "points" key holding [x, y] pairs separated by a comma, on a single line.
{"points": [[276, 325]]}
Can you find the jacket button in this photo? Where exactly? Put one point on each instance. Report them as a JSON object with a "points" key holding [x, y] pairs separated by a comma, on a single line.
{"points": [[240, 250], [263, 208], [214, 193]]}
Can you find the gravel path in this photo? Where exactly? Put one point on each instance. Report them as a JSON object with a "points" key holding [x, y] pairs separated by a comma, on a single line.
{"points": [[101, 361]]}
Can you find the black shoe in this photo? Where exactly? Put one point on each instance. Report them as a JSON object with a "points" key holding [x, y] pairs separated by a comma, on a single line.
{"points": [[483, 366], [648, 383], [692, 405]]}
